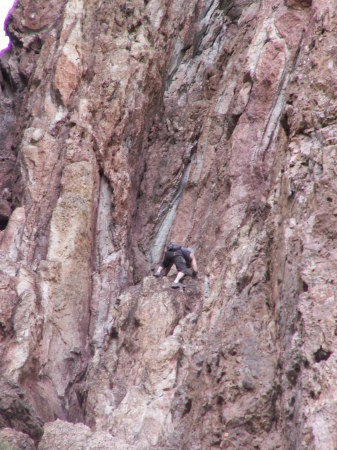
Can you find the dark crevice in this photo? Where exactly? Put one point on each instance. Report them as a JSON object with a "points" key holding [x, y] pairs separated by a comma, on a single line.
{"points": [[305, 287], [322, 355], [285, 124], [114, 333], [294, 64], [3, 222], [187, 407], [292, 373], [232, 122], [3, 330], [231, 9]]}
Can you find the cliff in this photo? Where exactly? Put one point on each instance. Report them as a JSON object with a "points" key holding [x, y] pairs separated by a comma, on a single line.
{"points": [[128, 124]]}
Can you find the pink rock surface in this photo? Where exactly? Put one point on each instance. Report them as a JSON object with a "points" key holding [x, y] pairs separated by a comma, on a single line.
{"points": [[126, 125], [11, 439]]}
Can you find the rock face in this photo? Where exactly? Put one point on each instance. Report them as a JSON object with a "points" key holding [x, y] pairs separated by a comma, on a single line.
{"points": [[16, 412], [126, 125], [15, 440]]}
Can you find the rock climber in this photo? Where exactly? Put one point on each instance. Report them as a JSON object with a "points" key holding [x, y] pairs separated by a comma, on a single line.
{"points": [[182, 258]]}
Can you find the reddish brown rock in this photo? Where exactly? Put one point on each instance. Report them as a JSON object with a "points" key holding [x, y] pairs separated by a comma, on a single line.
{"points": [[125, 126], [299, 3]]}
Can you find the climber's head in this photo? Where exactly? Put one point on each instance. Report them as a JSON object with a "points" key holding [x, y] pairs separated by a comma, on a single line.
{"points": [[171, 246]]}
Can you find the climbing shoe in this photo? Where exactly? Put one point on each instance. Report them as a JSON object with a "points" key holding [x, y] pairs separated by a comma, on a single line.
{"points": [[176, 285], [157, 274]]}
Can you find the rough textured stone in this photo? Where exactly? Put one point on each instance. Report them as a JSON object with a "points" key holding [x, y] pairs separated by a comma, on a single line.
{"points": [[15, 440], [125, 125], [17, 412], [62, 435]]}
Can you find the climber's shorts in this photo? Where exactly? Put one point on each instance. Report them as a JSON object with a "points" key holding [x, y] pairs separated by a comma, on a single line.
{"points": [[178, 261], [180, 264]]}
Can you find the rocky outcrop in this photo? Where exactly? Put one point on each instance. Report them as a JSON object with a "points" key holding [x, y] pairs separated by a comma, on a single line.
{"points": [[127, 124], [16, 412], [62, 435], [15, 440]]}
